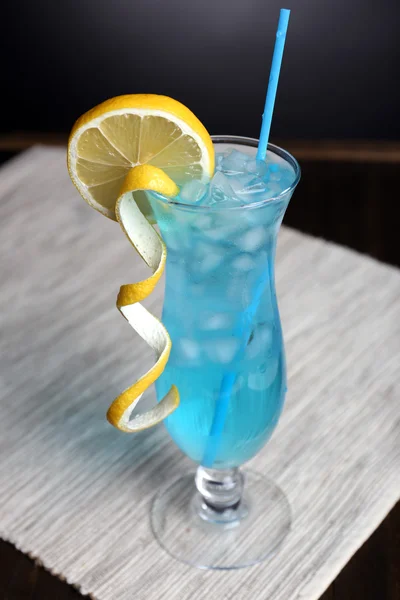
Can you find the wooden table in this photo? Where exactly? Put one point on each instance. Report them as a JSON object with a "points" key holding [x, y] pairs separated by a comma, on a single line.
{"points": [[348, 194]]}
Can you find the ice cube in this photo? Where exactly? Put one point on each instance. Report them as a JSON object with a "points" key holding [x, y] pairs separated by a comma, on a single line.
{"points": [[215, 234], [222, 350], [219, 159], [273, 167], [204, 222], [249, 185], [252, 239], [192, 191], [220, 189], [216, 321], [224, 230], [244, 262], [204, 260], [186, 350], [209, 263], [241, 181], [258, 167], [254, 191], [234, 162], [241, 184]]}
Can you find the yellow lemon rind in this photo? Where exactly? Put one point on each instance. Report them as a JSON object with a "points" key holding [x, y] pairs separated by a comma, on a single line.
{"points": [[152, 249]]}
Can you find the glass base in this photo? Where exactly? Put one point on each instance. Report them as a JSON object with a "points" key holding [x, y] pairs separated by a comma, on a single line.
{"points": [[243, 535]]}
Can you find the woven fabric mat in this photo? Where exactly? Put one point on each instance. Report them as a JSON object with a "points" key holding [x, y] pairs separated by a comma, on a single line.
{"points": [[75, 493]]}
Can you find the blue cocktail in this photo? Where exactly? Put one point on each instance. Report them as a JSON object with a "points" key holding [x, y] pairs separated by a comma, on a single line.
{"points": [[221, 311], [220, 308]]}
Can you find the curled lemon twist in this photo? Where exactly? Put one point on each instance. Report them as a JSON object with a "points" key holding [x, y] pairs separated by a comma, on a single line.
{"points": [[120, 149]]}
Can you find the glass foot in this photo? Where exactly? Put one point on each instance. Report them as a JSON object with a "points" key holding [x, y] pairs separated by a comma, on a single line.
{"points": [[208, 538]]}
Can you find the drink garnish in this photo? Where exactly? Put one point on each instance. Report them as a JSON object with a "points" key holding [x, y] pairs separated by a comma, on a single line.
{"points": [[116, 152]]}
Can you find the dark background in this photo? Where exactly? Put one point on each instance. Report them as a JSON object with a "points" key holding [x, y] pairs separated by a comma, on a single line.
{"points": [[337, 110], [339, 77]]}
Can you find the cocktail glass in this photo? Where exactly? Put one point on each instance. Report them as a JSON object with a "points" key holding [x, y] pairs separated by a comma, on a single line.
{"points": [[228, 362]]}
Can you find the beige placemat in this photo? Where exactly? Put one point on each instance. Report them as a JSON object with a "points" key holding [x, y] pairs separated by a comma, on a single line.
{"points": [[76, 493]]}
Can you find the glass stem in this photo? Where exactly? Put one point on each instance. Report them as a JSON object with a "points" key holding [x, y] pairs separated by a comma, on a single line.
{"points": [[220, 490]]}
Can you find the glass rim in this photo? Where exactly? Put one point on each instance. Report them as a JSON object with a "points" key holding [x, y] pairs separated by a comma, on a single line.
{"points": [[243, 141]]}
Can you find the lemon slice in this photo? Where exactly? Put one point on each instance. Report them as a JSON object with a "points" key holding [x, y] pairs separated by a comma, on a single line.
{"points": [[126, 131], [116, 153]]}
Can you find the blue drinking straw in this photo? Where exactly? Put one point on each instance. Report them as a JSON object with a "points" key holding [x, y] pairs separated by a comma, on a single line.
{"points": [[273, 82], [244, 330]]}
